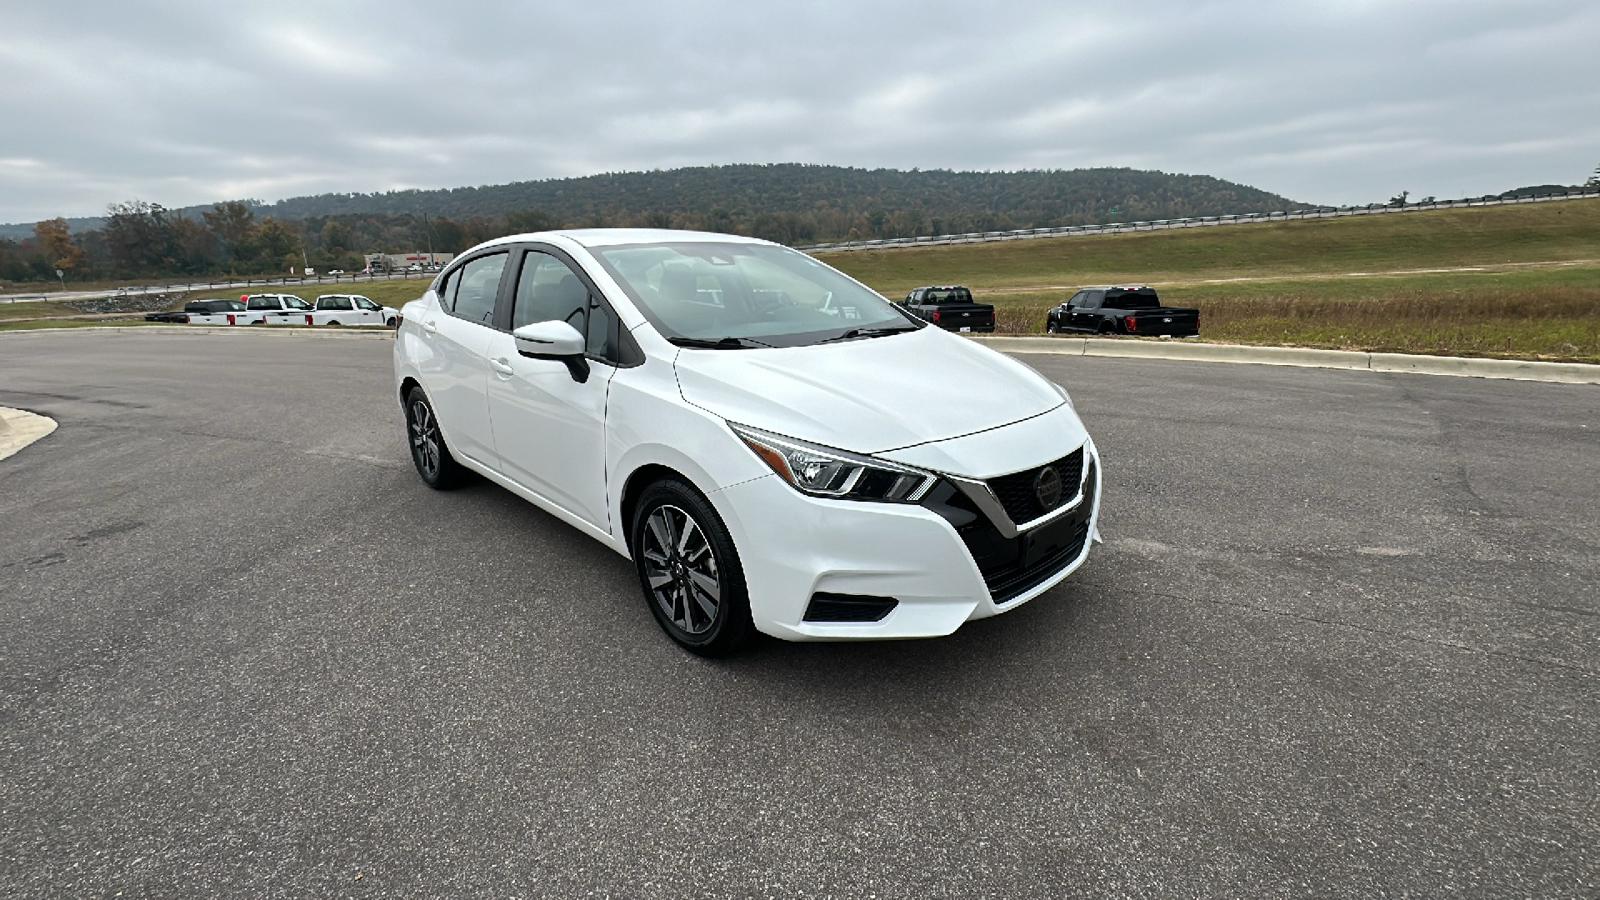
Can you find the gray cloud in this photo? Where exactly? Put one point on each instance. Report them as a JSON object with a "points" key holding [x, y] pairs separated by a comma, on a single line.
{"points": [[185, 102]]}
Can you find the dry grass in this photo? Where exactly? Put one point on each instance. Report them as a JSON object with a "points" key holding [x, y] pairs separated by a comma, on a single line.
{"points": [[1550, 322]]}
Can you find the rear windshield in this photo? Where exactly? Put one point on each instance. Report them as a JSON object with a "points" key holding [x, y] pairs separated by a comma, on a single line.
{"points": [[947, 295], [1132, 300]]}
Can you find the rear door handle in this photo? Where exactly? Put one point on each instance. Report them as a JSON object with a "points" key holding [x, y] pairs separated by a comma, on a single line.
{"points": [[502, 366], [430, 327]]}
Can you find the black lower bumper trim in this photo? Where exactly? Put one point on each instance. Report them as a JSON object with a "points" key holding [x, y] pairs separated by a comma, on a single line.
{"points": [[826, 607]]}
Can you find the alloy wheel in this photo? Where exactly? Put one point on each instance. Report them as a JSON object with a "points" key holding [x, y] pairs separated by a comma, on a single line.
{"points": [[425, 438], [680, 569]]}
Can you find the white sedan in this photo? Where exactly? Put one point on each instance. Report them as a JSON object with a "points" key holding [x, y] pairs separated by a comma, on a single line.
{"points": [[351, 309], [774, 445]]}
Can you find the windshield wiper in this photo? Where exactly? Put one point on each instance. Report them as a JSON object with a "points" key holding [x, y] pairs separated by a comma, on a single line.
{"points": [[854, 333], [727, 343]]}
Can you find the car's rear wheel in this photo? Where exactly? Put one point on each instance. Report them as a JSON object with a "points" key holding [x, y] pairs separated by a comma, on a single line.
{"points": [[1106, 328], [439, 470], [689, 569]]}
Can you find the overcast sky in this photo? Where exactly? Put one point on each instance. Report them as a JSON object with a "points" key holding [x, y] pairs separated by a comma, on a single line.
{"points": [[193, 101]]}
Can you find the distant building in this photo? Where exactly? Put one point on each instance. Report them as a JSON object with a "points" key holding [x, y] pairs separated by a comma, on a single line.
{"points": [[400, 262]]}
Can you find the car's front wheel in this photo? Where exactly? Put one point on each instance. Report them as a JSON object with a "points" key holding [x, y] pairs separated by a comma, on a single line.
{"points": [[439, 470], [689, 569]]}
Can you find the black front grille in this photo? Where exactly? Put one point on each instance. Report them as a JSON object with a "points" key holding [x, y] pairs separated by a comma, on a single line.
{"points": [[1015, 580], [1003, 561], [1021, 501]]}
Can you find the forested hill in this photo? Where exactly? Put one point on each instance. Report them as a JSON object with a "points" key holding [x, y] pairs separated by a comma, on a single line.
{"points": [[821, 202]]}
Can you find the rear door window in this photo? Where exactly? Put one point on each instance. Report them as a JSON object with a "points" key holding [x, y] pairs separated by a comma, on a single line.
{"points": [[480, 285]]}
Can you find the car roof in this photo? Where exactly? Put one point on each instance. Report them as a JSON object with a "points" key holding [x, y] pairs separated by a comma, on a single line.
{"points": [[1117, 287], [612, 237]]}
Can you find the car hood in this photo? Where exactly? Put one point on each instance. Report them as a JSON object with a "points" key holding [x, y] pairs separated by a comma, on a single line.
{"points": [[870, 395]]}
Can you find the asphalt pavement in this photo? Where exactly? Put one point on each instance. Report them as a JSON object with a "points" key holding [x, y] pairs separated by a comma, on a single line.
{"points": [[1343, 639]]}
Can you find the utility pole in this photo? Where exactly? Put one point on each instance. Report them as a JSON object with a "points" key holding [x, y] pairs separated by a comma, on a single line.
{"points": [[427, 228]]}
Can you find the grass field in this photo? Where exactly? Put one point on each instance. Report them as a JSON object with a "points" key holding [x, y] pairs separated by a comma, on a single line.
{"points": [[1518, 281]]}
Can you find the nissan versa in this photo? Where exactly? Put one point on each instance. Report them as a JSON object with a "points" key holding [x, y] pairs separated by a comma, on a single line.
{"points": [[773, 444]]}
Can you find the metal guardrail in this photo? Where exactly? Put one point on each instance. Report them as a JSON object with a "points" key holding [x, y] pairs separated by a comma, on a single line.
{"points": [[283, 281], [1319, 212]]}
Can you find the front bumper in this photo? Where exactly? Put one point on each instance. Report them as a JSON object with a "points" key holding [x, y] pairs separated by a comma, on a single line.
{"points": [[793, 547]]}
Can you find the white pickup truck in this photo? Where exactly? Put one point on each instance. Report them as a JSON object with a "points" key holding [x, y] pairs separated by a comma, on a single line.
{"points": [[275, 309], [351, 309], [215, 312]]}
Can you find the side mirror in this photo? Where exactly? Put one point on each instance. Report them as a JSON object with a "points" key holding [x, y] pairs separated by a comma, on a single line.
{"points": [[554, 340]]}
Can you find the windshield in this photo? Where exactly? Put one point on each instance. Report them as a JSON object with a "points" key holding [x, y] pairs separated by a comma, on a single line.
{"points": [[762, 293]]}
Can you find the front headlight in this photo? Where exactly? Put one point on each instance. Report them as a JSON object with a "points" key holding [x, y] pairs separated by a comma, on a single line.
{"points": [[839, 474]]}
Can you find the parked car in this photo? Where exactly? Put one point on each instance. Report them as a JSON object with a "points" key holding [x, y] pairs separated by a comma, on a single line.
{"points": [[1122, 309], [767, 466], [275, 309], [203, 312], [351, 309], [950, 307]]}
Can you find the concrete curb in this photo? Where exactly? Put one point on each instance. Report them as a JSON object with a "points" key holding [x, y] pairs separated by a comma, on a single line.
{"points": [[1521, 370], [18, 429], [368, 332]]}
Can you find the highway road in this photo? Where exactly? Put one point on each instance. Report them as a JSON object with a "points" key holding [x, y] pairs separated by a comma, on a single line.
{"points": [[1343, 639]]}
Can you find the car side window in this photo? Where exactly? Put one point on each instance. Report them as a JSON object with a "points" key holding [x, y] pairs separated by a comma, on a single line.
{"points": [[1093, 300], [479, 285], [364, 303], [1081, 298], [548, 290]]}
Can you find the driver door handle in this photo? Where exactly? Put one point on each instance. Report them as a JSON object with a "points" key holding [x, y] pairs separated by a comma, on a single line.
{"points": [[502, 366], [430, 327]]}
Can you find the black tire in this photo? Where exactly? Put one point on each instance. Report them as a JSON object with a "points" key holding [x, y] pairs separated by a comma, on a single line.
{"points": [[1050, 327], [393, 322], [429, 453], [1106, 328], [334, 324], [685, 558]]}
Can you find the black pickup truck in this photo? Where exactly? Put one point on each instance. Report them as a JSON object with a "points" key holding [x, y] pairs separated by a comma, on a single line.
{"points": [[196, 308], [1122, 309], [950, 307]]}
